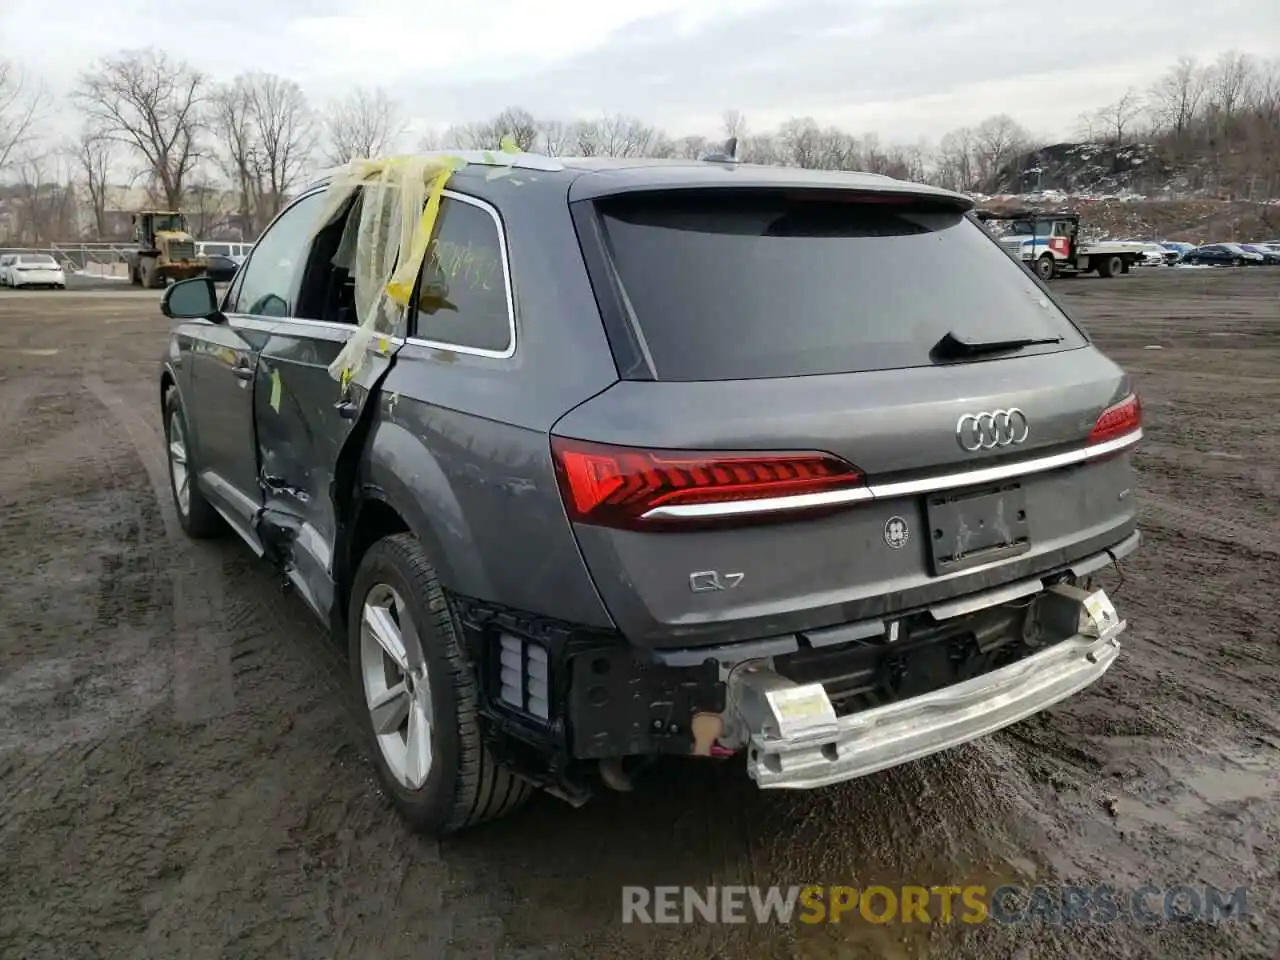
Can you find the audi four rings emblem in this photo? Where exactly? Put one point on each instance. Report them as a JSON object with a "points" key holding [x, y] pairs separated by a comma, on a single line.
{"points": [[991, 429]]}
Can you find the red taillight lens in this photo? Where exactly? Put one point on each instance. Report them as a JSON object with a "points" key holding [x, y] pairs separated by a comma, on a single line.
{"points": [[1117, 420], [617, 486]]}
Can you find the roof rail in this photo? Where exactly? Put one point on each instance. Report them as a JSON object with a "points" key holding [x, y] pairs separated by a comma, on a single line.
{"points": [[518, 159]]}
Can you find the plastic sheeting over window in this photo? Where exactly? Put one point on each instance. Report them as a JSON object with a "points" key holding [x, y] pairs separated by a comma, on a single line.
{"points": [[388, 233]]}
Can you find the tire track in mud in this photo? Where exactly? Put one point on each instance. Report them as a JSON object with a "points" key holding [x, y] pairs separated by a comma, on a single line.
{"points": [[257, 617], [1261, 537], [74, 698], [201, 657]]}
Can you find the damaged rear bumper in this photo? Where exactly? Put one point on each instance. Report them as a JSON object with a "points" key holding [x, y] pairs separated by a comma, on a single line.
{"points": [[797, 741]]}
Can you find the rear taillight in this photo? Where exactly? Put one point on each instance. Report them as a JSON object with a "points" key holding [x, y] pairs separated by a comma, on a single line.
{"points": [[631, 488], [1117, 420]]}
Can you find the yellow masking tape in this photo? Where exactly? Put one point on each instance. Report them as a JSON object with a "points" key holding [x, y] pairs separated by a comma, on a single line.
{"points": [[400, 286], [275, 390]]}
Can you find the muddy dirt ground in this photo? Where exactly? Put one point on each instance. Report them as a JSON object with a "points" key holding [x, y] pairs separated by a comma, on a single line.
{"points": [[178, 776]]}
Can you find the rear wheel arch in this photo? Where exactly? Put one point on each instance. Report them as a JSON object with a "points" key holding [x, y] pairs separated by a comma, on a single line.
{"points": [[379, 501]]}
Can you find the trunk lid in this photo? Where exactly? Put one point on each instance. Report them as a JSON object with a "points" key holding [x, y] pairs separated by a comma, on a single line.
{"points": [[805, 323]]}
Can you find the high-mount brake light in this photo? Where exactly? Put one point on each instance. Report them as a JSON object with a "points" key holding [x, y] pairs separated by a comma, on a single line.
{"points": [[636, 489], [1117, 420]]}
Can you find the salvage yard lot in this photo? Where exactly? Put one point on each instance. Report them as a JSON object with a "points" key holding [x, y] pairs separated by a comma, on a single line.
{"points": [[178, 775]]}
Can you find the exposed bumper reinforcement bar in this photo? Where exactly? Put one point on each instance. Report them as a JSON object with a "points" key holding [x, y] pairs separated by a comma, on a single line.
{"points": [[798, 742]]}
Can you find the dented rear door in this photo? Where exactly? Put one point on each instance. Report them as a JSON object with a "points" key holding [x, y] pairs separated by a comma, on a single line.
{"points": [[305, 417]]}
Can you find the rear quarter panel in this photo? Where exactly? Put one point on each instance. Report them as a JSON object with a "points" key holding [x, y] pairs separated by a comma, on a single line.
{"points": [[461, 442]]}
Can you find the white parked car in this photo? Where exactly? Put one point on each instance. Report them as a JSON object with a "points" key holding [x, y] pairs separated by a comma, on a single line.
{"points": [[6, 260], [35, 270], [1154, 255]]}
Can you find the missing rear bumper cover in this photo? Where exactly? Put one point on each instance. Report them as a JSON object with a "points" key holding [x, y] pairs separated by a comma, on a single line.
{"points": [[795, 740]]}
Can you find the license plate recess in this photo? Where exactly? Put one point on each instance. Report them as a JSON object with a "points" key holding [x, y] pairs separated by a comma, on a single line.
{"points": [[975, 527]]}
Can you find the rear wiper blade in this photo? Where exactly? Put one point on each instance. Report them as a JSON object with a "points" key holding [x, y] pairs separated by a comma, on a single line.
{"points": [[951, 345]]}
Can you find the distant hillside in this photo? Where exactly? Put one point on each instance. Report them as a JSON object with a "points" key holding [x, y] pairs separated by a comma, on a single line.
{"points": [[1195, 221], [1090, 168]]}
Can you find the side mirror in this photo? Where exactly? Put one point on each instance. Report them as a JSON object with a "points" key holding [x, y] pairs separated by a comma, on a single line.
{"points": [[193, 299]]}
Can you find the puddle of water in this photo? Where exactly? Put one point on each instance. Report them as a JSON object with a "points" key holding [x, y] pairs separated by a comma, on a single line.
{"points": [[1241, 780]]}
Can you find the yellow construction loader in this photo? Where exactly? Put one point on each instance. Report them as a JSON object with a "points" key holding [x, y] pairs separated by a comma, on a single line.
{"points": [[165, 250]]}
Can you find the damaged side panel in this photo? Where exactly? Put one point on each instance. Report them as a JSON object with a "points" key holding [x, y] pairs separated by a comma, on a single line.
{"points": [[305, 418]]}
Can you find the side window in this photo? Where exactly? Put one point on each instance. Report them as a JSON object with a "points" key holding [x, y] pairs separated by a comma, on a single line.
{"points": [[267, 280], [462, 298]]}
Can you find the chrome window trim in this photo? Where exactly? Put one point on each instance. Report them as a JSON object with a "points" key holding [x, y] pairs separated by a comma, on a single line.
{"points": [[510, 350], [442, 344]]}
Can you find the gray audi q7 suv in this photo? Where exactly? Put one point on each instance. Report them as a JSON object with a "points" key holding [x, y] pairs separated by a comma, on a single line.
{"points": [[793, 469]]}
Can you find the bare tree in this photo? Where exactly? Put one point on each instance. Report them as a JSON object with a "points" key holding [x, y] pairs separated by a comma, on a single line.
{"points": [[801, 142], [266, 136], [433, 140], [513, 122], [997, 140], [556, 137], [690, 148], [1088, 124], [837, 150], [733, 123], [1116, 119], [284, 127], [518, 124], [1177, 95], [46, 204], [761, 148], [93, 154], [955, 161], [365, 123], [615, 136], [21, 105], [1230, 83], [152, 105], [236, 147]]}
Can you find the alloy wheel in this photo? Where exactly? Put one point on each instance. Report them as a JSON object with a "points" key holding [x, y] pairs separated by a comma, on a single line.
{"points": [[178, 471], [396, 688]]}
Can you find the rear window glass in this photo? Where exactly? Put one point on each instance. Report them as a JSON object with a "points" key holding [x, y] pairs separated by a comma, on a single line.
{"points": [[42, 259], [730, 285]]}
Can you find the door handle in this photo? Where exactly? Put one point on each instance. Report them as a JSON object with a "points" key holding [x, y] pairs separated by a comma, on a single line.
{"points": [[347, 409], [243, 372]]}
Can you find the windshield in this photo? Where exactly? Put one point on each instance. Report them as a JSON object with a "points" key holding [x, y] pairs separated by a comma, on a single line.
{"points": [[38, 258], [727, 286], [174, 222]]}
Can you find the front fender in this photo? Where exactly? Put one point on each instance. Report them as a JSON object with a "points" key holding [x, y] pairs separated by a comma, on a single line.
{"points": [[414, 484]]}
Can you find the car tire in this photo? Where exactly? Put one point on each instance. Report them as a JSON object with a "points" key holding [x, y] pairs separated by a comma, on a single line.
{"points": [[198, 518], [1046, 267], [462, 785]]}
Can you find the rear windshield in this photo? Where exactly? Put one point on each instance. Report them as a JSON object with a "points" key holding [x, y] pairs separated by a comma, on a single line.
{"points": [[731, 285], [41, 258]]}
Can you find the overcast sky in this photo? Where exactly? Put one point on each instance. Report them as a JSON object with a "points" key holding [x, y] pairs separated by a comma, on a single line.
{"points": [[902, 68]]}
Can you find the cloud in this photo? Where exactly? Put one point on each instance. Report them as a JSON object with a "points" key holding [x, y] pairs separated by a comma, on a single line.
{"points": [[903, 68]]}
